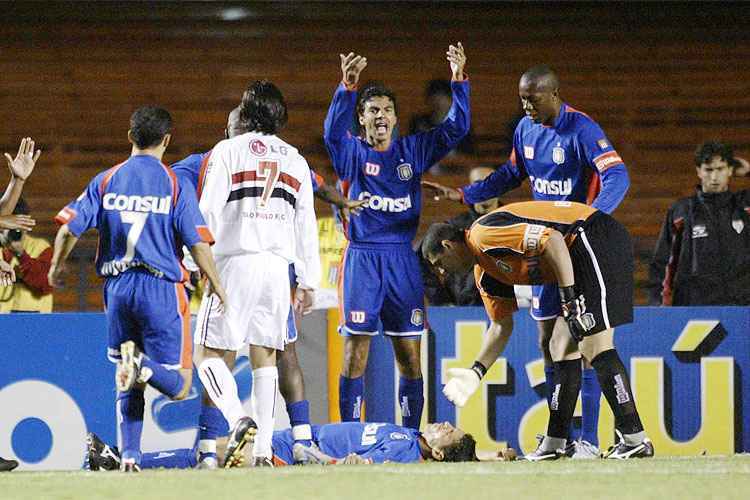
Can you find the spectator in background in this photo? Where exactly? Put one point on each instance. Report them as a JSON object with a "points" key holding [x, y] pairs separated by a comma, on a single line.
{"points": [[30, 257], [702, 256], [438, 98]]}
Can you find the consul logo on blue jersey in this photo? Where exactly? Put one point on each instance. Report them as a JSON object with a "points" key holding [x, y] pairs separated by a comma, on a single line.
{"points": [[544, 186]]}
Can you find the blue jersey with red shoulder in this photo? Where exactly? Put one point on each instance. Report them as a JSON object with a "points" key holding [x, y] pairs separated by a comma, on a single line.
{"points": [[389, 179], [572, 160], [376, 442], [144, 214]]}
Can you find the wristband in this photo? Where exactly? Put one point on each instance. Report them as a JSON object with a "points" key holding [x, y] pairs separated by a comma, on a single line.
{"points": [[567, 293], [479, 369]]}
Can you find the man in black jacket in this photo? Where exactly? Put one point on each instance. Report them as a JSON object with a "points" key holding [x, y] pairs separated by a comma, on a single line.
{"points": [[703, 253]]}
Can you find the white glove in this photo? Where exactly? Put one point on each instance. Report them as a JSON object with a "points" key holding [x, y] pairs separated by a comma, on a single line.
{"points": [[462, 383]]}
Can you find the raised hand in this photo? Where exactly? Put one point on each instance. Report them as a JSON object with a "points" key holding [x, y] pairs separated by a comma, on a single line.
{"points": [[351, 66], [457, 60], [23, 164], [441, 191], [21, 221]]}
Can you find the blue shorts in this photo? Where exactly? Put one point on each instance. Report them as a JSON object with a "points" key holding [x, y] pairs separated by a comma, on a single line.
{"points": [[545, 301], [381, 282], [152, 312]]}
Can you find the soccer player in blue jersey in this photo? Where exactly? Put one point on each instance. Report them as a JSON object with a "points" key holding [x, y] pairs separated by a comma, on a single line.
{"points": [[339, 443], [144, 215], [566, 156], [381, 273]]}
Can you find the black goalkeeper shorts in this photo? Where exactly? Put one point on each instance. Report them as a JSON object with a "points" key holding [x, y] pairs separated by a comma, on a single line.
{"points": [[602, 256]]}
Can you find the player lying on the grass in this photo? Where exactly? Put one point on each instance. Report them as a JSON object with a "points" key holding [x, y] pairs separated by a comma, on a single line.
{"points": [[339, 443], [589, 255]]}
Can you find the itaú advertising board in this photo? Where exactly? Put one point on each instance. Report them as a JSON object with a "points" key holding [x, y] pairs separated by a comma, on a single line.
{"points": [[688, 366]]}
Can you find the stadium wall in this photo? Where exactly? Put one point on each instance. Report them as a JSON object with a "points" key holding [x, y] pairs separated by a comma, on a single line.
{"points": [[689, 370]]}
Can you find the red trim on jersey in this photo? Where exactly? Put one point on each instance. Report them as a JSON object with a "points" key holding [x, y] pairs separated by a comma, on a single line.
{"points": [[595, 187], [205, 234], [65, 215], [183, 310], [318, 178], [175, 183], [571, 109], [512, 158], [252, 175], [278, 462], [202, 173], [108, 176], [607, 160]]}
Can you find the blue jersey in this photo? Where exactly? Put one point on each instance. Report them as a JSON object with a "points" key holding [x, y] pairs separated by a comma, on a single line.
{"points": [[144, 215], [389, 179], [566, 161], [376, 442]]}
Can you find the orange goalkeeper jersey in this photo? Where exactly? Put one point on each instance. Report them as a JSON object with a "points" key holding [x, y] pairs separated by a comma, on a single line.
{"points": [[508, 243]]}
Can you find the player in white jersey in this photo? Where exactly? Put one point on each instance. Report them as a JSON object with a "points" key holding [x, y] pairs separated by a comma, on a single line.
{"points": [[257, 199]]}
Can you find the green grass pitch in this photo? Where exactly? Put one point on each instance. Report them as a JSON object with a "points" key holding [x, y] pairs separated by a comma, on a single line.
{"points": [[663, 478]]}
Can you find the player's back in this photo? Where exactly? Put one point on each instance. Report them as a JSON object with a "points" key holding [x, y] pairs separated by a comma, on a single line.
{"points": [[136, 221], [251, 192]]}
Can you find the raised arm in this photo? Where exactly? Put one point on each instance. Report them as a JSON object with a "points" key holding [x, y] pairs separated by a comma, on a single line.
{"points": [[336, 127], [20, 169]]}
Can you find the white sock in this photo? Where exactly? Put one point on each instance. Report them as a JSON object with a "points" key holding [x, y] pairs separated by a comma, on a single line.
{"points": [[264, 390], [222, 389]]}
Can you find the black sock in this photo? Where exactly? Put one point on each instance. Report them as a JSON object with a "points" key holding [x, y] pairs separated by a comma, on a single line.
{"points": [[615, 383], [567, 384]]}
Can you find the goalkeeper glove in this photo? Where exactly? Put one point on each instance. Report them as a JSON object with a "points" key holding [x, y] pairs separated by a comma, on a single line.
{"points": [[580, 322], [463, 383]]}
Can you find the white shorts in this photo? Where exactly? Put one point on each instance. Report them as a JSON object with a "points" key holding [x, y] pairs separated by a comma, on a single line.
{"points": [[257, 287]]}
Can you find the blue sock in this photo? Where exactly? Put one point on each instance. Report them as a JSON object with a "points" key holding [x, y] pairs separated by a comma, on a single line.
{"points": [[168, 382], [549, 382], [591, 394], [411, 400], [129, 409], [182, 458], [351, 394], [299, 418], [211, 425]]}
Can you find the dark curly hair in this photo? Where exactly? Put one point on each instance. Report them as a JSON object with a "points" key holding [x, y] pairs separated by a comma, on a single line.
{"points": [[432, 244], [374, 89], [149, 125], [710, 149], [465, 450], [263, 108]]}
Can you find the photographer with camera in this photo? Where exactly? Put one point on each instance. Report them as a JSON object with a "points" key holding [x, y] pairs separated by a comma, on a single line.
{"points": [[30, 257]]}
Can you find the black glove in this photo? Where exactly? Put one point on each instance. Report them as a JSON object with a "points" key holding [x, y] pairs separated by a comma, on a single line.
{"points": [[580, 323]]}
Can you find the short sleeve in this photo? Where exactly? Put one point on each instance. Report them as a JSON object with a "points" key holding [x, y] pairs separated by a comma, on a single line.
{"points": [[82, 214]]}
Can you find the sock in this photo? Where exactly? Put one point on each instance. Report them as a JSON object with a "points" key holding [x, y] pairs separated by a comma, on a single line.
{"points": [[549, 381], [351, 394], [129, 408], [168, 382], [265, 381], [222, 389], [567, 384], [615, 384], [590, 397], [411, 399], [211, 425], [299, 418], [182, 458]]}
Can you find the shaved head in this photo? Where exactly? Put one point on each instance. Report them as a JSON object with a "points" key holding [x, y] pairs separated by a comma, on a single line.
{"points": [[542, 77]]}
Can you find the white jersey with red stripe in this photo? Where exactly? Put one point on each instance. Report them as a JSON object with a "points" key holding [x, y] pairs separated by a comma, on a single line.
{"points": [[256, 196]]}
